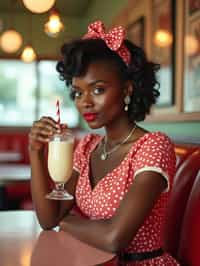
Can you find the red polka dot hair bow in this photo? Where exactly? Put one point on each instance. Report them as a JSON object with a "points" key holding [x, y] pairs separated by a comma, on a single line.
{"points": [[113, 39]]}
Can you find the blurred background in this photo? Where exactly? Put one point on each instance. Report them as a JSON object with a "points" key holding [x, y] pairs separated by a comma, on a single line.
{"points": [[32, 32]]}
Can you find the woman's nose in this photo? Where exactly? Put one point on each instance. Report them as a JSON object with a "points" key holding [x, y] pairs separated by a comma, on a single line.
{"points": [[87, 100]]}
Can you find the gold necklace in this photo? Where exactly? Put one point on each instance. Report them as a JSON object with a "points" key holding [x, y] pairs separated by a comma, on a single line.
{"points": [[105, 153]]}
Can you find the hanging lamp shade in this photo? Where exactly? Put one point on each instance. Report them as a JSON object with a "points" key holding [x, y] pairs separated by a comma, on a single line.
{"points": [[38, 6], [54, 25], [28, 55], [10, 41]]}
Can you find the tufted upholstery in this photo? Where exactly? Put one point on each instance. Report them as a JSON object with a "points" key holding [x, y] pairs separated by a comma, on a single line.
{"points": [[190, 235], [184, 208]]}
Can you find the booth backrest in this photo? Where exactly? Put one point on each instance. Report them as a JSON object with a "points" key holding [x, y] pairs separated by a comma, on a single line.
{"points": [[15, 142], [190, 235], [184, 195]]}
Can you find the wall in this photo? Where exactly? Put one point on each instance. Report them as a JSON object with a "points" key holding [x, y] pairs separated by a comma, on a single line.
{"points": [[33, 30], [111, 13], [183, 129], [47, 47], [179, 130], [104, 10]]}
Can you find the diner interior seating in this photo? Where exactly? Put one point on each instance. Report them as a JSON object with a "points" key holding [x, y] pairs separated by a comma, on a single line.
{"points": [[182, 230], [18, 195], [15, 142]]}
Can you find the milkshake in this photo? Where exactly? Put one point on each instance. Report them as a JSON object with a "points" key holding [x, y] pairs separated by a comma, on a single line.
{"points": [[60, 160], [60, 163]]}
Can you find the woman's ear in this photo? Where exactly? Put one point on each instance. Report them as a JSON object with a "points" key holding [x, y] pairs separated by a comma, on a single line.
{"points": [[128, 88]]}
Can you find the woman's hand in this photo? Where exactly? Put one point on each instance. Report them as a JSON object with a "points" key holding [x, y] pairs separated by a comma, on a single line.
{"points": [[41, 131]]}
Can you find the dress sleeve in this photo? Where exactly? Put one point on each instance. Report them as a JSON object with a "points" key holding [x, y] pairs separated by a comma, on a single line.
{"points": [[157, 154]]}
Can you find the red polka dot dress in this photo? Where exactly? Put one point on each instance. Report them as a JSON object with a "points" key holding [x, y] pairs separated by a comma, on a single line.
{"points": [[152, 152]]}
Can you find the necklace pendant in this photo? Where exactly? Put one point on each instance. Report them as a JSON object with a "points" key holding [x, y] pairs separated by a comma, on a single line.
{"points": [[104, 156]]}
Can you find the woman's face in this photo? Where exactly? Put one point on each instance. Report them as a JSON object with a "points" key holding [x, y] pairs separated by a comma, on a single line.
{"points": [[99, 95]]}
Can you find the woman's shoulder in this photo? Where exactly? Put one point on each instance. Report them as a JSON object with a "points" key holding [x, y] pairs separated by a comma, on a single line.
{"points": [[153, 142], [155, 137]]}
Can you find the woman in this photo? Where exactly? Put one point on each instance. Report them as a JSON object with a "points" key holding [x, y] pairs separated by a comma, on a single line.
{"points": [[121, 181]]}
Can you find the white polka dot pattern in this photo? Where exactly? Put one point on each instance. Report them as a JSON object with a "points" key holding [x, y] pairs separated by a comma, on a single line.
{"points": [[113, 39], [101, 202]]}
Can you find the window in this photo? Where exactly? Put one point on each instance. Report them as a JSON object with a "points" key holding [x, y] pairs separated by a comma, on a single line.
{"points": [[29, 91]]}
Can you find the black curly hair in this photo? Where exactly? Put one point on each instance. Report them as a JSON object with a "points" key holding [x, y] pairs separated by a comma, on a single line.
{"points": [[79, 54]]}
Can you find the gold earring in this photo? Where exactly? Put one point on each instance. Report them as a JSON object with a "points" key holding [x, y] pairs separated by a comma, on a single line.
{"points": [[127, 101]]}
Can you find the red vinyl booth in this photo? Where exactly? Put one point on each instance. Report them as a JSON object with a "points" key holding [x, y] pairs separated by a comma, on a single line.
{"points": [[190, 236], [182, 230]]}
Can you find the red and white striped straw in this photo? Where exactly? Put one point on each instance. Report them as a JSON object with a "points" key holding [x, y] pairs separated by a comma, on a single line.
{"points": [[58, 111]]}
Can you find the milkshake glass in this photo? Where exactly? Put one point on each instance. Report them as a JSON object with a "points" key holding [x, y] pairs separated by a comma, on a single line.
{"points": [[60, 163]]}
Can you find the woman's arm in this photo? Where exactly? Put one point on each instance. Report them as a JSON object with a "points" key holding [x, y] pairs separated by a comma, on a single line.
{"points": [[116, 233], [49, 212]]}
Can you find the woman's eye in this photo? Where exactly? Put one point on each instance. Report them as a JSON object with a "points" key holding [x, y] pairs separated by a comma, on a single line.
{"points": [[77, 94], [98, 90]]}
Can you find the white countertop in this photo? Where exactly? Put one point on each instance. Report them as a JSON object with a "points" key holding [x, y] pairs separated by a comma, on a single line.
{"points": [[14, 173]]}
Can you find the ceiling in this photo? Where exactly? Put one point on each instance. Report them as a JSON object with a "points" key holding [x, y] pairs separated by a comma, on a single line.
{"points": [[67, 7]]}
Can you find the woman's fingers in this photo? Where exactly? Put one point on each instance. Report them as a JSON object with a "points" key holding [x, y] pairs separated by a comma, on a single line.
{"points": [[46, 122], [45, 126], [43, 129], [50, 122], [38, 136], [46, 131]]}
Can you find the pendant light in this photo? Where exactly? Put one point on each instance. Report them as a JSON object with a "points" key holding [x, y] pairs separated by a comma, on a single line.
{"points": [[163, 38], [38, 6], [28, 54], [11, 40], [54, 24]]}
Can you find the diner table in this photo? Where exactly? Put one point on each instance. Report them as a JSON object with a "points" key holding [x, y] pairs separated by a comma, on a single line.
{"points": [[10, 156], [24, 243], [12, 174]]}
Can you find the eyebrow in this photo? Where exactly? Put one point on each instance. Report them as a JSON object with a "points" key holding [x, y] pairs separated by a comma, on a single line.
{"points": [[92, 83]]}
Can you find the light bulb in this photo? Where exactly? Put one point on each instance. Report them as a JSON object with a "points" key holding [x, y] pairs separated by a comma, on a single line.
{"points": [[54, 25], [10, 41], [163, 38], [28, 55], [38, 6]]}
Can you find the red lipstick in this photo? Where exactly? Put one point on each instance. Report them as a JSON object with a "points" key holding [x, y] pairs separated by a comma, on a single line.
{"points": [[89, 117]]}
